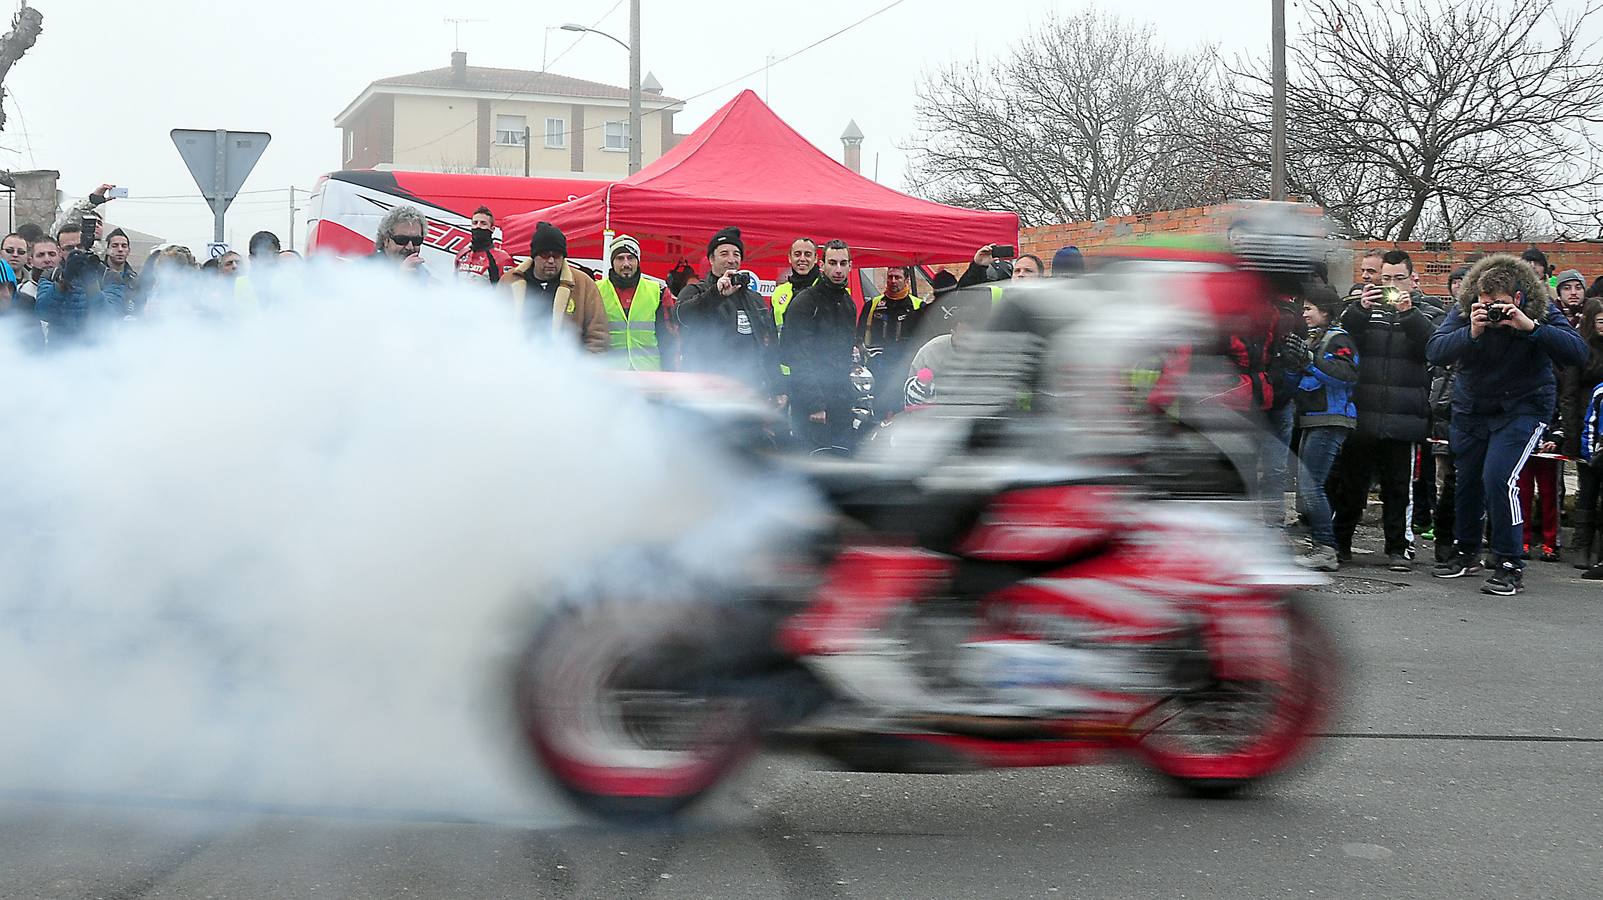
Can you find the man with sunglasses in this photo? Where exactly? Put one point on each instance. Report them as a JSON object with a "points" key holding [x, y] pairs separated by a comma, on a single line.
{"points": [[400, 238], [552, 296], [13, 271]]}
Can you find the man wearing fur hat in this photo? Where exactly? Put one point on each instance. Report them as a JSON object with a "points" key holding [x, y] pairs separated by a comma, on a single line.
{"points": [[1506, 334], [637, 312], [551, 296], [724, 326]]}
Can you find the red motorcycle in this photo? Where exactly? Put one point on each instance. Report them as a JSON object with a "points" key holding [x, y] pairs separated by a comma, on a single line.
{"points": [[1011, 616], [1040, 573]]}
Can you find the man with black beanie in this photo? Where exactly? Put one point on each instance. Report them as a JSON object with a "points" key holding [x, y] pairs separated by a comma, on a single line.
{"points": [[549, 295], [725, 328], [817, 346]]}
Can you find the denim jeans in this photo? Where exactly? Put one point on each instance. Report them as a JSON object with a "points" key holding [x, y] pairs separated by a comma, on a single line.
{"points": [[1318, 452], [1273, 456]]}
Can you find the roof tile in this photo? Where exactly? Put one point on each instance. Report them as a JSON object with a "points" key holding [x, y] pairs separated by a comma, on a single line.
{"points": [[512, 81]]}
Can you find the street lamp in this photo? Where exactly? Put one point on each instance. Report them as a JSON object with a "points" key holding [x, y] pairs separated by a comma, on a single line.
{"points": [[634, 77]]}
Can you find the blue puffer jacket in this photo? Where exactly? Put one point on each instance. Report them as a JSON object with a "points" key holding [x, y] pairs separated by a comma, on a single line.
{"points": [[1325, 393], [74, 313], [1505, 372]]}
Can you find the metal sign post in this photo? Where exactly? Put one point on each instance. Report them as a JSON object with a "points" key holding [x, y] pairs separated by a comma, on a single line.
{"points": [[220, 160]]}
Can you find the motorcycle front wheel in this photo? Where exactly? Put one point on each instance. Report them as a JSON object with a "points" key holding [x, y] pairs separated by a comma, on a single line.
{"points": [[613, 699], [1218, 739]]}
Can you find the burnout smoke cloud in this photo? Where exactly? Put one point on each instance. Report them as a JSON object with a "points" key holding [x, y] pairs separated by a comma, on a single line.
{"points": [[280, 557]]}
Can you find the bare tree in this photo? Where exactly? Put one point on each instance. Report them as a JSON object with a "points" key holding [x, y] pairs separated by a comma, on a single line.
{"points": [[1420, 118], [1086, 119], [25, 28]]}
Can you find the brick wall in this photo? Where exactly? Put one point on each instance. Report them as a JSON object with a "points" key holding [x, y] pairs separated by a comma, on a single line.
{"points": [[1045, 240], [1433, 265], [1436, 263]]}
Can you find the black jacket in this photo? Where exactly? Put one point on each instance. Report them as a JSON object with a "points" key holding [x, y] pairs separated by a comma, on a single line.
{"points": [[732, 336], [1393, 395], [1505, 372], [820, 332], [1576, 384], [1285, 359]]}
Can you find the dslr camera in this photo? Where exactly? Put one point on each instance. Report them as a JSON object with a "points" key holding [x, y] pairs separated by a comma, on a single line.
{"points": [[81, 268], [1498, 314]]}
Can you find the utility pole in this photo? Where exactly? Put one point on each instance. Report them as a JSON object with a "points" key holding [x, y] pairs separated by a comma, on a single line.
{"points": [[1277, 150], [633, 46], [634, 86], [528, 134], [292, 217]]}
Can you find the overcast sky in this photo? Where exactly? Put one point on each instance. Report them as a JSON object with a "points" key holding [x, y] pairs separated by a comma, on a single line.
{"points": [[107, 82]]}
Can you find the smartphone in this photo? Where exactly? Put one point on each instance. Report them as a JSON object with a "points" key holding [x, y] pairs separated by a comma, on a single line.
{"points": [[1004, 251], [117, 193]]}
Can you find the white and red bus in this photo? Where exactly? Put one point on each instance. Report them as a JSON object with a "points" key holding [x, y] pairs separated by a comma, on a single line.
{"points": [[346, 208]]}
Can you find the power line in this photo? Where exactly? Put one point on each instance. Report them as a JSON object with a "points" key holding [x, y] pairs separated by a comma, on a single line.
{"points": [[582, 36], [543, 68], [696, 96]]}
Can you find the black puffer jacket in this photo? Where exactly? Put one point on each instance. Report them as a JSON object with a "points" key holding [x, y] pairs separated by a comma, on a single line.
{"points": [[732, 336], [1576, 384], [1393, 395], [820, 331]]}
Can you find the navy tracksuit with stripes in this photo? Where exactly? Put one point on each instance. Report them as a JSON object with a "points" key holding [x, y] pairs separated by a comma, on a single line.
{"points": [[1503, 397]]}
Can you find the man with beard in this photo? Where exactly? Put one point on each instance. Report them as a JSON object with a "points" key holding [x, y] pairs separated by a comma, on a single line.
{"points": [[887, 325], [550, 296], [637, 312], [817, 346], [483, 261], [1571, 287]]}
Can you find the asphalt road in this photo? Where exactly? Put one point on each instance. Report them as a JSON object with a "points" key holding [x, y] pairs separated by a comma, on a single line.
{"points": [[1469, 763]]}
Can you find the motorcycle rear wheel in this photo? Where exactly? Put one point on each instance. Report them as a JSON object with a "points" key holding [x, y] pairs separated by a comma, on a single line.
{"points": [[1218, 740], [611, 697]]}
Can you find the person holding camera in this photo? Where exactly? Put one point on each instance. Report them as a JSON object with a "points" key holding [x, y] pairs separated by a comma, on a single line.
{"points": [[1325, 416], [725, 328], [77, 297], [997, 262], [1391, 330], [1505, 334]]}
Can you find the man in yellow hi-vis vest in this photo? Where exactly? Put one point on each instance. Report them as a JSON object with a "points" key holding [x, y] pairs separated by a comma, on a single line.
{"points": [[885, 331], [803, 275], [638, 312]]}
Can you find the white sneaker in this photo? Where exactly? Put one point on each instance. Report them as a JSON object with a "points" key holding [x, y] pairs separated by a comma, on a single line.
{"points": [[1320, 559]]}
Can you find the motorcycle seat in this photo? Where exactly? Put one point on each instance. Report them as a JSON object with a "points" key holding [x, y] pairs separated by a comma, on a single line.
{"points": [[894, 500]]}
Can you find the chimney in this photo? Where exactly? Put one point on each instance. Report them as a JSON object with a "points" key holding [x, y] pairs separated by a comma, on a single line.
{"points": [[852, 144], [459, 67]]}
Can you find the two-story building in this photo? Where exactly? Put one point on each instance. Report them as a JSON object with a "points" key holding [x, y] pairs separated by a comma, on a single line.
{"points": [[473, 119]]}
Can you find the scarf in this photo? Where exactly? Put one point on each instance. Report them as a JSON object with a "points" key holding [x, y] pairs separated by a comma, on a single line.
{"points": [[622, 283], [906, 290]]}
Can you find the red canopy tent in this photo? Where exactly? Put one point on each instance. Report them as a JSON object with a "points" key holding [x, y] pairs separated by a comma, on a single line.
{"points": [[746, 167]]}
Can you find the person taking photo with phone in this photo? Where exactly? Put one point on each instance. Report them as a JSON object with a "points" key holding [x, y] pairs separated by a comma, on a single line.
{"points": [[1505, 334], [1393, 400]]}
